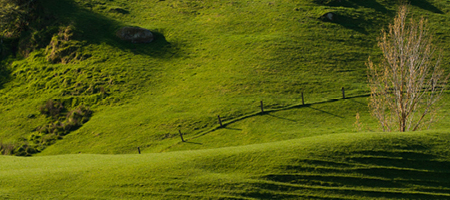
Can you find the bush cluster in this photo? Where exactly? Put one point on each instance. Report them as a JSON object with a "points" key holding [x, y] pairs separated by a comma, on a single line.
{"points": [[6, 148], [21, 148], [63, 49], [52, 109], [72, 121], [62, 123]]}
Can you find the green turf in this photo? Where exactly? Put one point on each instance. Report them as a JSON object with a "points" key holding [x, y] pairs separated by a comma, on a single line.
{"points": [[335, 166], [209, 59]]}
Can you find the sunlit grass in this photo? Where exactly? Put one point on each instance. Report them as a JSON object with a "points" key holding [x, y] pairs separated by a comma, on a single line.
{"points": [[346, 166], [220, 58]]}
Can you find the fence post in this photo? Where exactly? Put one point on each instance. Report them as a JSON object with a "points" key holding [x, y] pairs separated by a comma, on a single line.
{"points": [[220, 121], [262, 107], [303, 100], [181, 135], [139, 150], [343, 93]]}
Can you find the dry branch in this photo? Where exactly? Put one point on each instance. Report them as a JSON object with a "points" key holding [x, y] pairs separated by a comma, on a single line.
{"points": [[407, 85]]}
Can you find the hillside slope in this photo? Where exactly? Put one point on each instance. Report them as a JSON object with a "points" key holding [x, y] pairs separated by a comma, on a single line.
{"points": [[209, 58], [339, 166]]}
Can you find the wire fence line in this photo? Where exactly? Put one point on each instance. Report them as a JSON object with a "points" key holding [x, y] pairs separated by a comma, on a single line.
{"points": [[223, 124]]}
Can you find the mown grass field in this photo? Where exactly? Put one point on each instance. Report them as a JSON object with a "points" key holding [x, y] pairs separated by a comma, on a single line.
{"points": [[212, 58]]}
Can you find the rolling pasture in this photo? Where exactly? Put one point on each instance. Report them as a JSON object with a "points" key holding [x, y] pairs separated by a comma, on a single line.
{"points": [[272, 71]]}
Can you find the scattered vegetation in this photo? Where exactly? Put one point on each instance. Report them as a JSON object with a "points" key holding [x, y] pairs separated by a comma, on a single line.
{"points": [[52, 109], [6, 148], [62, 123], [62, 49]]}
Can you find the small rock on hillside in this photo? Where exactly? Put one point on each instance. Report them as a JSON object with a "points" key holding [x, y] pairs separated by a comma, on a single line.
{"points": [[135, 34], [328, 17]]}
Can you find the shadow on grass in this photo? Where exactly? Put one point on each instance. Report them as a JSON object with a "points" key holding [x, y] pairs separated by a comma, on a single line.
{"points": [[326, 112], [269, 113], [5, 75], [424, 4], [98, 29], [351, 23], [393, 173], [194, 143], [359, 21], [6, 56], [359, 102], [409, 160], [326, 190], [356, 3], [264, 194]]}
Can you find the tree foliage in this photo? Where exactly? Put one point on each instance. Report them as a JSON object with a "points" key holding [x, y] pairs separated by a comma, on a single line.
{"points": [[408, 82]]}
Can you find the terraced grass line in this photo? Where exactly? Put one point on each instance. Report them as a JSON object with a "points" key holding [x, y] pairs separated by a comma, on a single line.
{"points": [[333, 178], [351, 186], [378, 192], [330, 178]]}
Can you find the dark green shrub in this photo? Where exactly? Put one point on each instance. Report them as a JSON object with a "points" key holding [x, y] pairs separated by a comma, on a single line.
{"points": [[63, 49], [6, 148], [79, 115], [52, 109], [62, 125]]}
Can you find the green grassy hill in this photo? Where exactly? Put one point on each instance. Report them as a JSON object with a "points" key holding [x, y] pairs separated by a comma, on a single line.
{"points": [[210, 59], [339, 166]]}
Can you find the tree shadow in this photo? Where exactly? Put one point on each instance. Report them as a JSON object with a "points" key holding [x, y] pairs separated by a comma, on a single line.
{"points": [[423, 4], [361, 23], [351, 23], [98, 29], [359, 96], [354, 20], [355, 4], [198, 143]]}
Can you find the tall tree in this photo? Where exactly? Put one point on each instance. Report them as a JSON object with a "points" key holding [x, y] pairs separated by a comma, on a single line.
{"points": [[408, 82]]}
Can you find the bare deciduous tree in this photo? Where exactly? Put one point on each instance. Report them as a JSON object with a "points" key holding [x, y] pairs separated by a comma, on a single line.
{"points": [[408, 82]]}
